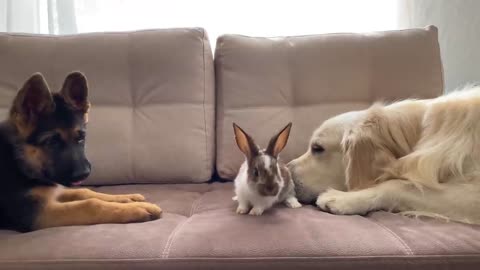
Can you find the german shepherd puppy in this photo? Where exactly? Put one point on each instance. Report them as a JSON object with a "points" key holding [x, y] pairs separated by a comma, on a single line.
{"points": [[42, 153]]}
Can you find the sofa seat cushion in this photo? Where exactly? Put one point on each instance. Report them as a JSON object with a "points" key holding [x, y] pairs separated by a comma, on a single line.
{"points": [[201, 230]]}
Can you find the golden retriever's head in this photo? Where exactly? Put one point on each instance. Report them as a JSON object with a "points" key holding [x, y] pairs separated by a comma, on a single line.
{"points": [[322, 166]]}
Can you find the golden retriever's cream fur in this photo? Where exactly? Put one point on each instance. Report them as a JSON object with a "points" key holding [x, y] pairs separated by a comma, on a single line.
{"points": [[419, 157]]}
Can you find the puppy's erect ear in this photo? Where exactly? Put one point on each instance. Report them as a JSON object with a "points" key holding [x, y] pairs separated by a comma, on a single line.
{"points": [[75, 91], [245, 142], [33, 100], [279, 141]]}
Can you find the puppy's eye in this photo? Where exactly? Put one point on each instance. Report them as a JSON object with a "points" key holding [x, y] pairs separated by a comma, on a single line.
{"points": [[317, 148], [81, 137], [255, 172], [51, 141]]}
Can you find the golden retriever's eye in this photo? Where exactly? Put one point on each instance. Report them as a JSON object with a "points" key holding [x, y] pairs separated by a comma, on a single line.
{"points": [[317, 148]]}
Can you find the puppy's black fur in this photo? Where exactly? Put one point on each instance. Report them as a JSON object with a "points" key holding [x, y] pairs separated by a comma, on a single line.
{"points": [[42, 144]]}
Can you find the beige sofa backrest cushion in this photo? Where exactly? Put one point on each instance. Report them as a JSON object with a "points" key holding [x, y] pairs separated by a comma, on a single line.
{"points": [[152, 95], [263, 83]]}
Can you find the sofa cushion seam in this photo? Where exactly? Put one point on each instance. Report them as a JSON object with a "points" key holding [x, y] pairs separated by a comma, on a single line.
{"points": [[195, 205], [131, 147], [392, 257], [204, 99], [407, 248], [171, 238]]}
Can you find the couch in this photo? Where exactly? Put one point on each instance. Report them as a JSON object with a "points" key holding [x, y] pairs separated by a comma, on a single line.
{"points": [[160, 125]]}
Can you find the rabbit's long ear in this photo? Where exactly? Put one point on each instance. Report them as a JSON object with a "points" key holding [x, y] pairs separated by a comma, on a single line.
{"points": [[279, 141], [245, 142]]}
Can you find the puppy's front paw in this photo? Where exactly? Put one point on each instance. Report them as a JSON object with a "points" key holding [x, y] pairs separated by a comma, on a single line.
{"points": [[341, 203], [141, 212], [128, 198], [136, 197], [256, 211]]}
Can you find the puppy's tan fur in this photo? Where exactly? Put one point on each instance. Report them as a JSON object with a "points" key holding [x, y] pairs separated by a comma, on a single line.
{"points": [[419, 157], [66, 207]]}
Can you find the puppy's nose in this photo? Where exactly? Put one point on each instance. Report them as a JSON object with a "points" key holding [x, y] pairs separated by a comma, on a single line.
{"points": [[81, 172]]}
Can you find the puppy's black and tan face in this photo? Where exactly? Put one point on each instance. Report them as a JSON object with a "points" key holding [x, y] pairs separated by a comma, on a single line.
{"points": [[51, 130]]}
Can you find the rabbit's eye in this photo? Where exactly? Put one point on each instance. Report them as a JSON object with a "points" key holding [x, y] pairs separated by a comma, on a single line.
{"points": [[255, 172]]}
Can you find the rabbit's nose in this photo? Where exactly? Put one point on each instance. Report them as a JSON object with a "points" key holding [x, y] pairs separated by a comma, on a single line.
{"points": [[271, 189]]}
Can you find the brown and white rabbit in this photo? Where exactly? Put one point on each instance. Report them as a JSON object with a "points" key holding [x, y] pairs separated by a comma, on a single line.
{"points": [[263, 180]]}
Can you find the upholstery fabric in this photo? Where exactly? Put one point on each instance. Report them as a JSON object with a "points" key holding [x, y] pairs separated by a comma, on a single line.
{"points": [[200, 230]]}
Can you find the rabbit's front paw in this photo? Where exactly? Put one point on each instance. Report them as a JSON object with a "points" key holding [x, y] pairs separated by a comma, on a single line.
{"points": [[292, 202], [256, 211], [242, 210]]}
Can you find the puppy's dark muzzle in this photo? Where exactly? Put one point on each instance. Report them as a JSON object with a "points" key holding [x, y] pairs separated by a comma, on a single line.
{"points": [[81, 173]]}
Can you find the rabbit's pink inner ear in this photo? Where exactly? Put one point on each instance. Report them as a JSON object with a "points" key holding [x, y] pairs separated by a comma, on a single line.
{"points": [[242, 140], [279, 141]]}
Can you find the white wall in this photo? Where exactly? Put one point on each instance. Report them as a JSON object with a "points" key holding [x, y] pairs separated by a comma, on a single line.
{"points": [[458, 22]]}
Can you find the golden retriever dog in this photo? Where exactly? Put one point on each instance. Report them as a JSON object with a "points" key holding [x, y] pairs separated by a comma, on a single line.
{"points": [[416, 157]]}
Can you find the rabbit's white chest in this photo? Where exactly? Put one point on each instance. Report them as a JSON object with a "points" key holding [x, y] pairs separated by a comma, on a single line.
{"points": [[245, 193]]}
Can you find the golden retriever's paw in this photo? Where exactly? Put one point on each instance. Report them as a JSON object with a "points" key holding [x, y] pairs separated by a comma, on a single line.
{"points": [[341, 203]]}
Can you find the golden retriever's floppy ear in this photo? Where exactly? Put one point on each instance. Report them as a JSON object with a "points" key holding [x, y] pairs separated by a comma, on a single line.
{"points": [[245, 142], [75, 91], [32, 100], [359, 155], [279, 141], [368, 149]]}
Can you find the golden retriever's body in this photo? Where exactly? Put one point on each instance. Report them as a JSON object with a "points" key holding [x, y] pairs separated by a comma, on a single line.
{"points": [[419, 157]]}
